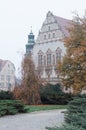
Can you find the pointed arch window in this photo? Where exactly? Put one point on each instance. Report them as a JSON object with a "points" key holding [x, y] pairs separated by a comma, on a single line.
{"points": [[49, 57], [53, 59], [44, 60], [44, 37], [58, 55], [49, 28], [49, 35], [53, 35], [40, 59]]}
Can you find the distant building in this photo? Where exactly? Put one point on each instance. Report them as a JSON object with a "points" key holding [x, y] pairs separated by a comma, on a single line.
{"points": [[7, 75], [48, 49]]}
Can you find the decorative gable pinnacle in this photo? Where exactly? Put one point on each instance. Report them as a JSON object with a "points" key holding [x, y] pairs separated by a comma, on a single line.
{"points": [[49, 14]]}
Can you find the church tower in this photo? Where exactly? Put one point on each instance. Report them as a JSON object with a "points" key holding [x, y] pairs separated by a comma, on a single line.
{"points": [[30, 44]]}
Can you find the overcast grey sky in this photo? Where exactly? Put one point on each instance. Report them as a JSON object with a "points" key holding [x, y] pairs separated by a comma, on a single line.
{"points": [[17, 16]]}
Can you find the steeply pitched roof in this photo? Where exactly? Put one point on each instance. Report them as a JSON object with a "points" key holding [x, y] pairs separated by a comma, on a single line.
{"points": [[2, 63], [64, 24]]}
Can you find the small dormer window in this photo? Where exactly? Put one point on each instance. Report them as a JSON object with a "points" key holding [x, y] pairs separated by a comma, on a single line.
{"points": [[49, 28], [53, 35], [44, 37], [49, 35]]}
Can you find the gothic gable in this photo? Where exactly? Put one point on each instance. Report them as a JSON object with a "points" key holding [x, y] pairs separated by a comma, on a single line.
{"points": [[53, 29], [50, 30]]}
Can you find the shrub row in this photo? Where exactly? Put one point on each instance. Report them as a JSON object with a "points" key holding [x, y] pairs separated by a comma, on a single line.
{"points": [[11, 107], [52, 94], [49, 94]]}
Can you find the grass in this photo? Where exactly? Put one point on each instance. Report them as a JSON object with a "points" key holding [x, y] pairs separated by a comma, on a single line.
{"points": [[33, 108]]}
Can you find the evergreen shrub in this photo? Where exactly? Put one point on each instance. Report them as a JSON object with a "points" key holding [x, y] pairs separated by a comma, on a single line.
{"points": [[66, 127], [76, 113], [11, 107], [75, 118], [6, 95], [53, 94]]}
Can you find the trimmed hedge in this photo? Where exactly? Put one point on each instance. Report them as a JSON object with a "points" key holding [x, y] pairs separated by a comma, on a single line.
{"points": [[11, 107]]}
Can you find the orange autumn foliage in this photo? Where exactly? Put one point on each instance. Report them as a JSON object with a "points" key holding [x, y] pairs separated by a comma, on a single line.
{"points": [[29, 90], [73, 66]]}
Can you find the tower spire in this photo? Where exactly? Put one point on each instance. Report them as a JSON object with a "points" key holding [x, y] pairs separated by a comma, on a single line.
{"points": [[31, 29], [31, 41]]}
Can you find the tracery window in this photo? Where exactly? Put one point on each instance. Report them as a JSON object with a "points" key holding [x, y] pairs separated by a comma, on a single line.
{"points": [[53, 35], [58, 55], [53, 59], [44, 60], [40, 58], [49, 28], [44, 37], [49, 35], [48, 59]]}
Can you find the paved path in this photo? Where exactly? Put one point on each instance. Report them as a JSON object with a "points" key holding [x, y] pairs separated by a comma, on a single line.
{"points": [[32, 121]]}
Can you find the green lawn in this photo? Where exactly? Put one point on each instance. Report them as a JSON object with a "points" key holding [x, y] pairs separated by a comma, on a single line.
{"points": [[33, 108]]}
